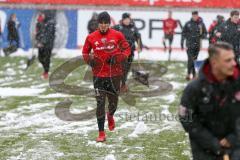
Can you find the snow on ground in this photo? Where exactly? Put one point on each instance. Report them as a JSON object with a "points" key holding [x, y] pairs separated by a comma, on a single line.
{"points": [[19, 92], [141, 128], [110, 157], [177, 85], [55, 95], [15, 119], [152, 54], [40, 116], [170, 97]]}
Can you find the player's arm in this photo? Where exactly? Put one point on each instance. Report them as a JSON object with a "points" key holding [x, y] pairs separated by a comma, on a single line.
{"points": [[164, 26], [175, 24], [124, 49], [190, 121], [184, 34], [210, 29], [219, 31], [86, 51], [204, 31]]}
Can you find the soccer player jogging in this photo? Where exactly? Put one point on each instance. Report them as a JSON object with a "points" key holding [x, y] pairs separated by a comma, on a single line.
{"points": [[110, 50], [169, 26]]}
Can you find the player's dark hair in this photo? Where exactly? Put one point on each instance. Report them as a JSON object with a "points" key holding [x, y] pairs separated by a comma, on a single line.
{"points": [[104, 17], [195, 13], [234, 13], [214, 49]]}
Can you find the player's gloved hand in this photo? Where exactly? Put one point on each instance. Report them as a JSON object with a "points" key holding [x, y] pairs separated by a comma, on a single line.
{"points": [[111, 60], [92, 63]]}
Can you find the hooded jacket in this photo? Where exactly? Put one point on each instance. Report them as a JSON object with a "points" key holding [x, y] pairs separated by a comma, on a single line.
{"points": [[209, 109], [45, 31], [230, 32]]}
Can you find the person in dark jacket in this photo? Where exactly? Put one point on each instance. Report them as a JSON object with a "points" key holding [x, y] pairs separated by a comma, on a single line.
{"points": [[106, 62], [12, 26], [230, 32], [213, 28], [45, 36], [93, 23], [127, 27], [209, 110], [193, 31]]}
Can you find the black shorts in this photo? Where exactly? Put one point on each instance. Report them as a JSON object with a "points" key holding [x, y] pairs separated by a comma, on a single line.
{"points": [[169, 37], [109, 84]]}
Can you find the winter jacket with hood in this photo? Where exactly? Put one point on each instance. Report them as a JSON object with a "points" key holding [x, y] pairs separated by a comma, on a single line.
{"points": [[209, 109], [230, 32]]}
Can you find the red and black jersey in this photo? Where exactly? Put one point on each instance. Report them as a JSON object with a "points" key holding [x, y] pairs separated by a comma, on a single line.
{"points": [[169, 26], [105, 47]]}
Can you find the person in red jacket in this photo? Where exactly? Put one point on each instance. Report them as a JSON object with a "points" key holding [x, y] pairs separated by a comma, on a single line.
{"points": [[110, 50], [169, 26]]}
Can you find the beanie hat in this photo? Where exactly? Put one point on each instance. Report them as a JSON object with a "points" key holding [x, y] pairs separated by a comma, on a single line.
{"points": [[125, 15]]}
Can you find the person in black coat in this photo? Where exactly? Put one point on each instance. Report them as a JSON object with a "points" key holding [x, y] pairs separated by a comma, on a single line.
{"points": [[213, 29], [193, 31], [127, 27], [45, 36], [12, 26], [12, 36], [230, 32], [209, 110], [93, 23]]}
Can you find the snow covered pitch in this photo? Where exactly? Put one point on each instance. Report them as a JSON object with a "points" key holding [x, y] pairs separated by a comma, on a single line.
{"points": [[30, 129]]}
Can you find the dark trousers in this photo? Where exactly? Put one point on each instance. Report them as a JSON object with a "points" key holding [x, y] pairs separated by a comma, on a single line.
{"points": [[192, 54], [14, 42], [127, 67], [44, 57], [107, 87], [168, 37], [236, 154]]}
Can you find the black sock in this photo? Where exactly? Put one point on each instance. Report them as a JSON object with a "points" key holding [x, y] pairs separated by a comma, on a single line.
{"points": [[101, 122], [164, 44]]}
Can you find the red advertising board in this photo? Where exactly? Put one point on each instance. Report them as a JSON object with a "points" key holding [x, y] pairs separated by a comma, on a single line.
{"points": [[159, 3]]}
